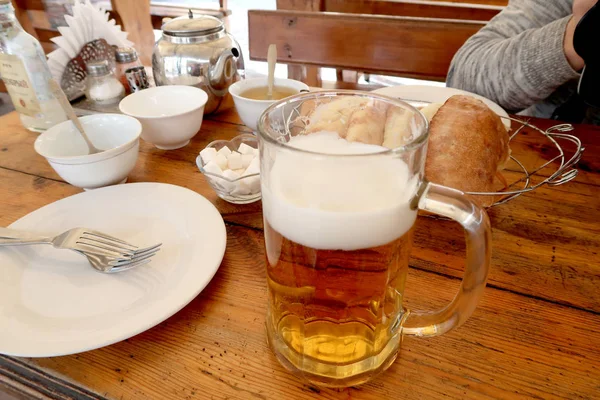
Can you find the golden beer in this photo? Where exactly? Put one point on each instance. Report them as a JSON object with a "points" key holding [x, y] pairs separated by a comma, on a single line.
{"points": [[336, 314], [338, 222]]}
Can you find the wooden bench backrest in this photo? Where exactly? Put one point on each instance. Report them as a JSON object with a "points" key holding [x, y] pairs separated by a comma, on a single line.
{"points": [[403, 46], [466, 10]]}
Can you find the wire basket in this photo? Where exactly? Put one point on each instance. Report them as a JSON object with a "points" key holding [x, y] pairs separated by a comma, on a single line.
{"points": [[563, 168], [530, 177]]}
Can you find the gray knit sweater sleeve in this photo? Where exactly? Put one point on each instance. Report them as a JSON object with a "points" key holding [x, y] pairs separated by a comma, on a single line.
{"points": [[517, 59]]}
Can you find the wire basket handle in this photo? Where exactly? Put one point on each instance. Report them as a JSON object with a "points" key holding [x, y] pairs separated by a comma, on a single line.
{"points": [[566, 172]]}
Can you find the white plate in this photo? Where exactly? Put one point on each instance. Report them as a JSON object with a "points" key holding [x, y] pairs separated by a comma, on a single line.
{"points": [[52, 302], [436, 94]]}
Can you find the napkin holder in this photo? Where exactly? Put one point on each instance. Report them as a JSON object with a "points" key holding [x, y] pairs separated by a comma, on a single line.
{"points": [[74, 77]]}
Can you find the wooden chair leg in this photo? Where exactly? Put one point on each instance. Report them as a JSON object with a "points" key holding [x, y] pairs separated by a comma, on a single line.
{"points": [[135, 16], [313, 76], [309, 75]]}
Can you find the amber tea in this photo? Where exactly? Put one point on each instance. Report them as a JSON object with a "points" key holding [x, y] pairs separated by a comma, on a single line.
{"points": [[260, 93]]}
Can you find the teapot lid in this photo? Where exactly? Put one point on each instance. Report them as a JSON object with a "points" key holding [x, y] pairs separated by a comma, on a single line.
{"points": [[192, 26]]}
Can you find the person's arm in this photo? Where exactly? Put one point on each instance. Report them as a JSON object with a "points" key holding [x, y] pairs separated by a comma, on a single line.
{"points": [[519, 57]]}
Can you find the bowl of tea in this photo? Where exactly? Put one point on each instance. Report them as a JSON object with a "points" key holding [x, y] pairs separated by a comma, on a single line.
{"points": [[250, 96]]}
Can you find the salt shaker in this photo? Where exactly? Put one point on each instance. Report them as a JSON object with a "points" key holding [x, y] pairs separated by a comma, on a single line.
{"points": [[102, 86], [126, 58]]}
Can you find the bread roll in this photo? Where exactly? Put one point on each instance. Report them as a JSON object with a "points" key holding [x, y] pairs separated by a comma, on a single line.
{"points": [[397, 130], [430, 110], [468, 145], [367, 123], [334, 116]]}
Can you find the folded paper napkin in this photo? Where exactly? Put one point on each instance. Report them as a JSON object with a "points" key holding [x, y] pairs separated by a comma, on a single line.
{"points": [[87, 23]]}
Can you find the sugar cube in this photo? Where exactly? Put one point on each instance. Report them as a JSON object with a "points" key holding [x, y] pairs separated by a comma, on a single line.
{"points": [[241, 188], [225, 151], [213, 168], [253, 184], [221, 161], [246, 160], [253, 168], [245, 149], [230, 174], [234, 160], [208, 154]]}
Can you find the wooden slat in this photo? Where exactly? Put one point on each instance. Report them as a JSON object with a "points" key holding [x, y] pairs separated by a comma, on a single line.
{"points": [[135, 18], [484, 2], [415, 8], [379, 44], [22, 17], [30, 4], [301, 5]]}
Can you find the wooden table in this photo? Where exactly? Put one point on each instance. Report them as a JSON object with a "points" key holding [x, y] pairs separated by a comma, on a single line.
{"points": [[536, 333]]}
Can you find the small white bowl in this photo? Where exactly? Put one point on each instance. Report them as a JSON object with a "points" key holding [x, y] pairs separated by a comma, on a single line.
{"points": [[250, 110], [170, 115], [66, 151]]}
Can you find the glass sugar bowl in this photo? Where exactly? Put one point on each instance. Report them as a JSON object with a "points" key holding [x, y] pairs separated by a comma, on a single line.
{"points": [[102, 86]]}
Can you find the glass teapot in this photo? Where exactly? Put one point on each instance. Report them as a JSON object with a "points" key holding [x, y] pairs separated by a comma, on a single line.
{"points": [[197, 51]]}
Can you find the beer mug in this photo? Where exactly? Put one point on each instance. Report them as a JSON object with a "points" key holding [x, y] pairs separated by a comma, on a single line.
{"points": [[338, 223]]}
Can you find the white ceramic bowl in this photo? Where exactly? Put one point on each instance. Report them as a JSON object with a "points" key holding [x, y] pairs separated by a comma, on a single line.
{"points": [[250, 110], [170, 115], [66, 151]]}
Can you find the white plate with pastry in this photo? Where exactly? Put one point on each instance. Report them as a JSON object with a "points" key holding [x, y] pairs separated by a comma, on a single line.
{"points": [[52, 302], [420, 95]]}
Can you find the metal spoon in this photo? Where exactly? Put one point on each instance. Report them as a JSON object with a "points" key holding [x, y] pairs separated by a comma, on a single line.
{"points": [[64, 102], [271, 59]]}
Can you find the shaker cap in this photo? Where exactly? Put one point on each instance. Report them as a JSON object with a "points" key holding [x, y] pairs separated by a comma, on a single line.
{"points": [[192, 25], [125, 54], [97, 68]]}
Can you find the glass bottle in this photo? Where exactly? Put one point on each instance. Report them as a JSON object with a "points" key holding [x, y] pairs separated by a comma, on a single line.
{"points": [[25, 72]]}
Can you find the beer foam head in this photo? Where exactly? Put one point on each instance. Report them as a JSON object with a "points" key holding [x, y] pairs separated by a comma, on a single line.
{"points": [[338, 203]]}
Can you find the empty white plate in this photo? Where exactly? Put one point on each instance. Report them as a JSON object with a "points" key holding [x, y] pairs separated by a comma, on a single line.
{"points": [[52, 302], [416, 94]]}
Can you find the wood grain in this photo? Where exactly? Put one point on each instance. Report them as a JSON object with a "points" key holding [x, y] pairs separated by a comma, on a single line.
{"points": [[513, 347], [412, 8], [516, 261], [426, 48], [486, 2], [301, 5], [534, 335], [135, 17]]}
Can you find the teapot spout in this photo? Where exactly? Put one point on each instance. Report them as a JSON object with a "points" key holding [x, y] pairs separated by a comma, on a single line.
{"points": [[224, 70]]}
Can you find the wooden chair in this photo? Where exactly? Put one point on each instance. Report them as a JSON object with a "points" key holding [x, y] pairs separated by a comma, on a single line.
{"points": [[401, 46], [137, 17], [476, 10]]}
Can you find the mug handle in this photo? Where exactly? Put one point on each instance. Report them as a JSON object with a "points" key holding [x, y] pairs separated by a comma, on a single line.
{"points": [[452, 203]]}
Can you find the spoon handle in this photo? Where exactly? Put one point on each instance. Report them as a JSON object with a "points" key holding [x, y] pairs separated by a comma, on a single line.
{"points": [[64, 102], [271, 59]]}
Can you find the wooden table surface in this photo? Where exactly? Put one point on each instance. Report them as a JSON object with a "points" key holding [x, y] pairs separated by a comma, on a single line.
{"points": [[535, 334]]}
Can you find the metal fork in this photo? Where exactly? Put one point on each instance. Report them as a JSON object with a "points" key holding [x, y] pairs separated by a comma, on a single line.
{"points": [[105, 253]]}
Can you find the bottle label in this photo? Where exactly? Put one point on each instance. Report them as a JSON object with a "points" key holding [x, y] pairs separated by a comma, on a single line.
{"points": [[18, 84]]}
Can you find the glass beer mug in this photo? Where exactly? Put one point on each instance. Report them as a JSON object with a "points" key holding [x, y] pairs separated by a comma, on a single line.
{"points": [[338, 223]]}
